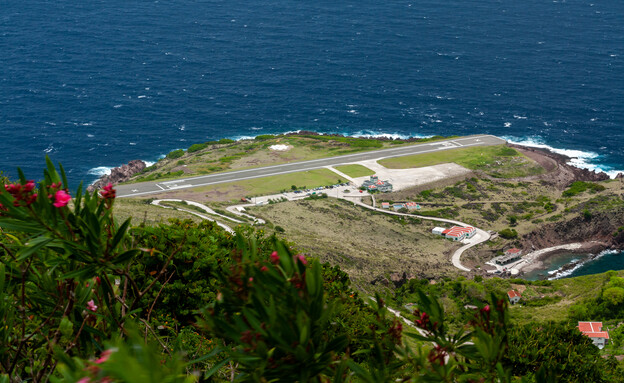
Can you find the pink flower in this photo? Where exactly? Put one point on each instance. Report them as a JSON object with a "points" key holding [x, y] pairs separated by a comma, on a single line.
{"points": [[264, 268], [104, 357], [274, 257], [61, 198], [301, 258], [86, 379], [91, 306], [108, 192]]}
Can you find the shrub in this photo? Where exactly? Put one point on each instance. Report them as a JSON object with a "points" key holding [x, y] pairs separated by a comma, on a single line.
{"points": [[578, 187], [197, 147], [175, 154], [508, 233]]}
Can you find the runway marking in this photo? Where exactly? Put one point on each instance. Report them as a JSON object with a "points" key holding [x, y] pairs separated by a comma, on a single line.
{"points": [[283, 172]]}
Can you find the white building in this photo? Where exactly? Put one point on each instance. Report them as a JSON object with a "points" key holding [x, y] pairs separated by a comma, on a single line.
{"points": [[594, 331], [514, 296], [438, 230]]}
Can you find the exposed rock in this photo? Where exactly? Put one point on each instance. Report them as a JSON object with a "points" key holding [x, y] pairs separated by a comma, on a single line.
{"points": [[120, 174], [620, 175], [564, 174], [600, 228]]}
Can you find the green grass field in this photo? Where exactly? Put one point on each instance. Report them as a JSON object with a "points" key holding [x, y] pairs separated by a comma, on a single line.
{"points": [[355, 170], [497, 161], [234, 191]]}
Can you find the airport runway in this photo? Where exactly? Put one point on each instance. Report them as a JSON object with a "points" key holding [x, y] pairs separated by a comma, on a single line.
{"points": [[146, 188]]}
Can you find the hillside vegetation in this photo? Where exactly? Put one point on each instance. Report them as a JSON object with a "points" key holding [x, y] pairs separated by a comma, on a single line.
{"points": [[88, 297]]}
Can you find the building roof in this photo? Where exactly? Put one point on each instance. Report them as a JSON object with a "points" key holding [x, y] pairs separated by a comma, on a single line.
{"points": [[385, 204], [593, 329], [590, 326], [513, 251], [599, 334], [458, 231], [513, 294]]}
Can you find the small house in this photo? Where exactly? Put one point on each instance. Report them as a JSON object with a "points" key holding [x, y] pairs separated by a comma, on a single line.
{"points": [[594, 331], [438, 230], [385, 205], [511, 255], [412, 206], [514, 296], [398, 206], [513, 251]]}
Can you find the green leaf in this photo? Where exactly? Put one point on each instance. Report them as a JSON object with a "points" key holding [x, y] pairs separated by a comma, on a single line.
{"points": [[121, 232], [32, 247], [20, 226], [125, 256]]}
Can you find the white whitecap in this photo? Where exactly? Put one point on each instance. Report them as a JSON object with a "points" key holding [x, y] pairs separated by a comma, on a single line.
{"points": [[142, 96], [100, 171], [132, 143], [394, 136], [561, 274], [90, 135], [517, 117], [580, 159], [507, 124], [117, 106]]}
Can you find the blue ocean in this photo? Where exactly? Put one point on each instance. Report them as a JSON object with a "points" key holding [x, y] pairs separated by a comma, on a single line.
{"points": [[95, 84]]}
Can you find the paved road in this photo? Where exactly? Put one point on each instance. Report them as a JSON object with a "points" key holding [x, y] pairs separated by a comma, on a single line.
{"points": [[146, 188], [480, 237]]}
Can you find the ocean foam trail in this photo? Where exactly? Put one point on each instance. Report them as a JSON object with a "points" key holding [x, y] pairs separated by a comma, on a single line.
{"points": [[578, 158], [358, 134], [559, 275], [100, 171], [395, 136]]}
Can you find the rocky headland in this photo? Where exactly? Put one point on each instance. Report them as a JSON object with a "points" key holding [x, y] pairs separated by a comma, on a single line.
{"points": [[119, 174]]}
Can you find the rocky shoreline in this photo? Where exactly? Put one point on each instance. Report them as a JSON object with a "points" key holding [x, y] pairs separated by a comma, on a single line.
{"points": [[120, 174]]}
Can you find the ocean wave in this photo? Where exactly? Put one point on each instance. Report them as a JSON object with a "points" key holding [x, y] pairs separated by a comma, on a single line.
{"points": [[395, 136], [579, 158], [100, 171], [358, 134], [564, 271]]}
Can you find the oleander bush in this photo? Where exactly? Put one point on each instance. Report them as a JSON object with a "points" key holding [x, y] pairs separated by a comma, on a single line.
{"points": [[84, 298]]}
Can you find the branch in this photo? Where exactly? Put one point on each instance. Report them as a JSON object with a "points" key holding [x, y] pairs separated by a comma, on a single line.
{"points": [[156, 336]]}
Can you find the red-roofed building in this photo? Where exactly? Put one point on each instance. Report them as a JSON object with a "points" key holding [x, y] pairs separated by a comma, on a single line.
{"points": [[514, 296], [385, 205], [594, 331], [513, 251], [374, 183], [412, 206], [458, 233]]}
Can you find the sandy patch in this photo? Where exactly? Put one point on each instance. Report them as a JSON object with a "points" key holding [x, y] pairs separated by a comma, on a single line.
{"points": [[280, 147], [406, 178]]}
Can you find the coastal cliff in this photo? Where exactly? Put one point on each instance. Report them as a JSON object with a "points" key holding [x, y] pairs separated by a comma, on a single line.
{"points": [[119, 174], [603, 228], [559, 172]]}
